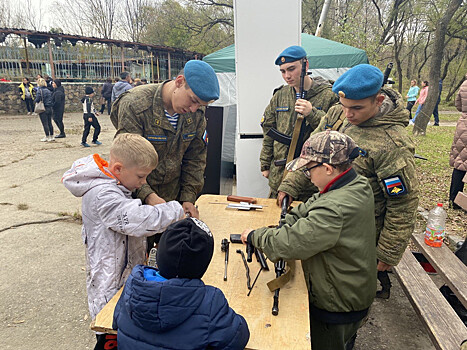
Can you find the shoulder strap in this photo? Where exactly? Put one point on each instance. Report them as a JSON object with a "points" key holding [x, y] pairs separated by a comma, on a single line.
{"points": [[339, 122]]}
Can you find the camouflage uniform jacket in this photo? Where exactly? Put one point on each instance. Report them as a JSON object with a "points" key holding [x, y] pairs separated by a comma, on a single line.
{"points": [[280, 114], [182, 152], [387, 153]]}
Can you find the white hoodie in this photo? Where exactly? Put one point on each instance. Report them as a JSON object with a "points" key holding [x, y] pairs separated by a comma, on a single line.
{"points": [[114, 227]]}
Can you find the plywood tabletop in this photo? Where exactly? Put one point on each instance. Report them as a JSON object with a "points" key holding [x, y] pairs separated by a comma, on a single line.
{"points": [[288, 330]]}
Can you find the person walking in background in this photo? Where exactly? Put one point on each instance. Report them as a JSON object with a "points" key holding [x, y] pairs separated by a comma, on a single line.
{"points": [[107, 95], [122, 85], [435, 111], [26, 90], [421, 100], [49, 82], [412, 96], [458, 156], [90, 118], [58, 98], [43, 94]]}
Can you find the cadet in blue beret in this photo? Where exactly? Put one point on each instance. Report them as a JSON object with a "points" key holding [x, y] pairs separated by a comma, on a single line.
{"points": [[171, 116], [376, 118], [359, 82], [283, 108]]}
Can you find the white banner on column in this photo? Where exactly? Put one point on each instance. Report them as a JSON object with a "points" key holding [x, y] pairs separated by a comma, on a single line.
{"points": [[263, 29]]}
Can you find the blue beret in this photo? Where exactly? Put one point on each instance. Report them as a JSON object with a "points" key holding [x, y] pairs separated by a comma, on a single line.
{"points": [[291, 54], [359, 82], [202, 80]]}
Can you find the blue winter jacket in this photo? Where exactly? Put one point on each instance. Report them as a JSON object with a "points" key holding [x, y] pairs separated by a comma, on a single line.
{"points": [[177, 314], [44, 94]]}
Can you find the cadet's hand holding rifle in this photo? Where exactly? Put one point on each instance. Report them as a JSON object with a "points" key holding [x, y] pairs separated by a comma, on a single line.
{"points": [[303, 107]]}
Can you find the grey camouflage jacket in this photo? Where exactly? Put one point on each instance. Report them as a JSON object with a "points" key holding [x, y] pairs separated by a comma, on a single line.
{"points": [[280, 114], [182, 152]]}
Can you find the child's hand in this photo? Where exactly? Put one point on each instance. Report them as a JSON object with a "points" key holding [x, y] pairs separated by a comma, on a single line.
{"points": [[244, 235], [90, 120]]}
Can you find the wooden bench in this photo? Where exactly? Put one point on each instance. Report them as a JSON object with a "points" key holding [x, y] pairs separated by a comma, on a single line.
{"points": [[461, 198], [445, 328]]}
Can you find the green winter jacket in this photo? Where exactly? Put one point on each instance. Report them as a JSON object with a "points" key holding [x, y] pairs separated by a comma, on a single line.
{"points": [[182, 152], [280, 114], [333, 234], [387, 153]]}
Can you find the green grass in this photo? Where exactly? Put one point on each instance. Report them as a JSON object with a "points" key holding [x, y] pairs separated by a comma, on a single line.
{"points": [[434, 175], [449, 117]]}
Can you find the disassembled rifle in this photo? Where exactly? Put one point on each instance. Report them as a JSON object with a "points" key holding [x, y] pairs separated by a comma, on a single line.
{"points": [[225, 248], [280, 265], [239, 251]]}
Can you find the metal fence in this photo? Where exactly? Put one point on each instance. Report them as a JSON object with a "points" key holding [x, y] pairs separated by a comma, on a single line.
{"points": [[87, 62]]}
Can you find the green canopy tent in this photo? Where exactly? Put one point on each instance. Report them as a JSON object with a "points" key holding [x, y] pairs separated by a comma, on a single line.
{"points": [[322, 54], [328, 59]]}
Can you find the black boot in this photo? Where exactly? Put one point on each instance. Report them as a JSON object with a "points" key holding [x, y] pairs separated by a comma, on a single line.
{"points": [[385, 292]]}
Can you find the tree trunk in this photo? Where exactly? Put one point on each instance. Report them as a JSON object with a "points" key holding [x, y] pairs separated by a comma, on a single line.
{"points": [[452, 91], [436, 58]]}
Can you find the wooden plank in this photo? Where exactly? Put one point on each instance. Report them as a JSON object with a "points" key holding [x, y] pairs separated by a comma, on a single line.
{"points": [[290, 329], [448, 266], [445, 328], [104, 319], [465, 178]]}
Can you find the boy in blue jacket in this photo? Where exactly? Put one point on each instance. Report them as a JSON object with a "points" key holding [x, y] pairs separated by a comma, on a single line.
{"points": [[171, 307]]}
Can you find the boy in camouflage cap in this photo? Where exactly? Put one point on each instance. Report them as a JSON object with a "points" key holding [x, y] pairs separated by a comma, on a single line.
{"points": [[334, 236]]}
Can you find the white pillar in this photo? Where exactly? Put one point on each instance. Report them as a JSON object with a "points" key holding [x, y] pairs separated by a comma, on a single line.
{"points": [[263, 29]]}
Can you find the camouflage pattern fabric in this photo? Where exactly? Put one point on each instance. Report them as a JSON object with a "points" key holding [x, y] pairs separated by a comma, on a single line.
{"points": [[331, 147], [182, 152], [280, 114], [387, 154]]}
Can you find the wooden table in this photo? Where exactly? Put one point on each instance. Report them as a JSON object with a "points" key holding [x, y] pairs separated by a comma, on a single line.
{"points": [[288, 330]]}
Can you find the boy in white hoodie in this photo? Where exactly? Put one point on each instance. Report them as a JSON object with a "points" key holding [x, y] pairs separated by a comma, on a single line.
{"points": [[115, 225]]}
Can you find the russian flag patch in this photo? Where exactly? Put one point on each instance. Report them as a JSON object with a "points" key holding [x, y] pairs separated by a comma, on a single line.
{"points": [[394, 186], [205, 137]]}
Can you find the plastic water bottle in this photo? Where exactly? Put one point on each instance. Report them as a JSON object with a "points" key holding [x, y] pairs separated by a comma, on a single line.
{"points": [[436, 223]]}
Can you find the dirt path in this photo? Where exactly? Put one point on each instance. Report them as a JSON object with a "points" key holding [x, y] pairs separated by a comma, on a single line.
{"points": [[43, 304]]}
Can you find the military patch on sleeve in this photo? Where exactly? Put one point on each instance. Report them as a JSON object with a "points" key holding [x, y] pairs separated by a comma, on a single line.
{"points": [[189, 136], [282, 109], [362, 152], [205, 137], [157, 138], [395, 186], [262, 121]]}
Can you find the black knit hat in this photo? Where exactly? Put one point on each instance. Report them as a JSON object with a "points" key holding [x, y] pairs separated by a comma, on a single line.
{"points": [[88, 90], [185, 249]]}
